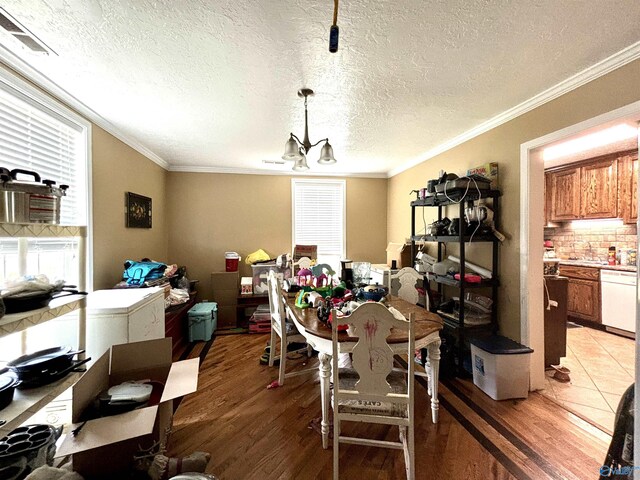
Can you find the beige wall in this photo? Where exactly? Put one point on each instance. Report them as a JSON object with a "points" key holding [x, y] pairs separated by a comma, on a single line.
{"points": [[212, 213], [116, 169], [502, 145]]}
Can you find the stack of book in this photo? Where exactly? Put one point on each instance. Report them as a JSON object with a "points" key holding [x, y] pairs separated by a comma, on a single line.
{"points": [[260, 321]]}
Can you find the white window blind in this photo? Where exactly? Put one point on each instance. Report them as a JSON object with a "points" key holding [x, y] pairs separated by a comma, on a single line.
{"points": [[319, 218], [35, 138]]}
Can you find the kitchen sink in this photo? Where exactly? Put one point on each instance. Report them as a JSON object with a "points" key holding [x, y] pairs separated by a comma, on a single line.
{"points": [[578, 261]]}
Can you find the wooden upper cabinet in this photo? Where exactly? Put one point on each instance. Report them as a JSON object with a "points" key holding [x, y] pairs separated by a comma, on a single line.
{"points": [[547, 198], [628, 187], [565, 194], [599, 189]]}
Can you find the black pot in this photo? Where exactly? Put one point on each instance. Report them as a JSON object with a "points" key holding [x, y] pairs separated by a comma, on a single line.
{"points": [[8, 383]]}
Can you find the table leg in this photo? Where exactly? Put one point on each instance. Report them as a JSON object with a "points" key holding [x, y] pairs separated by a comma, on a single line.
{"points": [[434, 367], [325, 373]]}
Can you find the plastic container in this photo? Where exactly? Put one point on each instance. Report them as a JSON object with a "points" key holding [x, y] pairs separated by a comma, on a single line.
{"points": [[500, 367], [260, 273], [231, 260], [202, 321]]}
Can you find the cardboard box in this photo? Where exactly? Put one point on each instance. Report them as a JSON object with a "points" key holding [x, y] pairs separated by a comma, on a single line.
{"points": [[488, 170], [401, 253], [105, 446], [227, 317], [246, 286], [226, 298], [309, 251], [225, 281]]}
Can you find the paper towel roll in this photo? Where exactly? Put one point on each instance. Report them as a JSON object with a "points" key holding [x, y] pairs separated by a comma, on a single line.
{"points": [[483, 272]]}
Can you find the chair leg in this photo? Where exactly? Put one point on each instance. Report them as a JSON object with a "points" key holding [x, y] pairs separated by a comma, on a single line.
{"points": [[411, 465], [434, 362], [272, 347], [336, 449], [283, 360]]}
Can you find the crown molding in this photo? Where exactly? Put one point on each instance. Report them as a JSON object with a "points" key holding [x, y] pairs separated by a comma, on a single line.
{"points": [[255, 171], [15, 63], [593, 72]]}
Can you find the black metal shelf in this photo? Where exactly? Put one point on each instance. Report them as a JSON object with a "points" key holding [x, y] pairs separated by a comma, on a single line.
{"points": [[452, 282], [457, 200], [455, 195], [453, 323], [454, 238]]}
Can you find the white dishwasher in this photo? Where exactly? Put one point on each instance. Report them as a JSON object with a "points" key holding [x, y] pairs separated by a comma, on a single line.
{"points": [[619, 299]]}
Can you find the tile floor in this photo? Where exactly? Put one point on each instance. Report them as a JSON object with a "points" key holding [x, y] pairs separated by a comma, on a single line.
{"points": [[602, 367]]}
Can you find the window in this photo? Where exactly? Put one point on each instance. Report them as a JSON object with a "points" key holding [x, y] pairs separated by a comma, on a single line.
{"points": [[319, 218], [34, 137], [38, 134]]}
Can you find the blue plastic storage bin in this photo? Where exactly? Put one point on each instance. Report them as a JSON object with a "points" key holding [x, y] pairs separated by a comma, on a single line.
{"points": [[203, 319]]}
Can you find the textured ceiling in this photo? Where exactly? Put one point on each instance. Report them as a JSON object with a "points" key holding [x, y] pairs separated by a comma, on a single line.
{"points": [[213, 83]]}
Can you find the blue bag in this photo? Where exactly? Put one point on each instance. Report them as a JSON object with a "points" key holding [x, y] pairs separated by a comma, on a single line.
{"points": [[136, 273]]}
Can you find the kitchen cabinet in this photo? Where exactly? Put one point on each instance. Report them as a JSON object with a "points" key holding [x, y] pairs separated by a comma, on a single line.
{"points": [[548, 188], [628, 187], [583, 292], [565, 195], [599, 189], [555, 319], [28, 402]]}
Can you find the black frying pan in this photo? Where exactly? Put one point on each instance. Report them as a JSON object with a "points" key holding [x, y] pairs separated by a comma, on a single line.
{"points": [[8, 383], [25, 301], [53, 359], [34, 381]]}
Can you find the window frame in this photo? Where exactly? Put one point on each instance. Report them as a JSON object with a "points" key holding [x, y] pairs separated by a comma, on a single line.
{"points": [[13, 84], [343, 185]]}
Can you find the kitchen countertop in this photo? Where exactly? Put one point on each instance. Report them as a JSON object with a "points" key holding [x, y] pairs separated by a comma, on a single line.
{"points": [[599, 265]]}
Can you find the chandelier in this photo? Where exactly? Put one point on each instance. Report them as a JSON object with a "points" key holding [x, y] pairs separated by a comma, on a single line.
{"points": [[297, 150]]}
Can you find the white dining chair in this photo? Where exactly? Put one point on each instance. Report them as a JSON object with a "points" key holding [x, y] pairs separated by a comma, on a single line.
{"points": [[279, 327], [405, 282], [371, 391]]}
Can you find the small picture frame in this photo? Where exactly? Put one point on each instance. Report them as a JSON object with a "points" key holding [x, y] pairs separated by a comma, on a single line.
{"points": [[138, 211]]}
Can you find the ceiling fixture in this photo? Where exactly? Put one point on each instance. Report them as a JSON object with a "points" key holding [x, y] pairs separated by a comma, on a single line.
{"points": [[297, 150], [608, 136]]}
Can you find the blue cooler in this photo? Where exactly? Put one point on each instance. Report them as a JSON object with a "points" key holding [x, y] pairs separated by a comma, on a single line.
{"points": [[203, 320]]}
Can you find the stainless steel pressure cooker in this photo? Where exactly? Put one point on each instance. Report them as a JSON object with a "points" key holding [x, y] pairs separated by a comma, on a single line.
{"points": [[36, 201]]}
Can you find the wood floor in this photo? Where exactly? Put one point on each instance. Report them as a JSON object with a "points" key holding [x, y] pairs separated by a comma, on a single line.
{"points": [[257, 433]]}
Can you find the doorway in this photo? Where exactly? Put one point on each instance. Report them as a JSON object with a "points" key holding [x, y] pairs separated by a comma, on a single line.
{"points": [[532, 167]]}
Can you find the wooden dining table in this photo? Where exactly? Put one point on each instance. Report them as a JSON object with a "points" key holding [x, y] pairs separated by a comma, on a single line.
{"points": [[427, 335]]}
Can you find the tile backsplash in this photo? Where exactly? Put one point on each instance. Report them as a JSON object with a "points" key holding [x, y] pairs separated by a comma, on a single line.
{"points": [[573, 242]]}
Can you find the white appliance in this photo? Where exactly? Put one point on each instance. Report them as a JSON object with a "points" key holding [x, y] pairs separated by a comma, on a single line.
{"points": [[619, 294], [123, 316], [380, 274]]}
